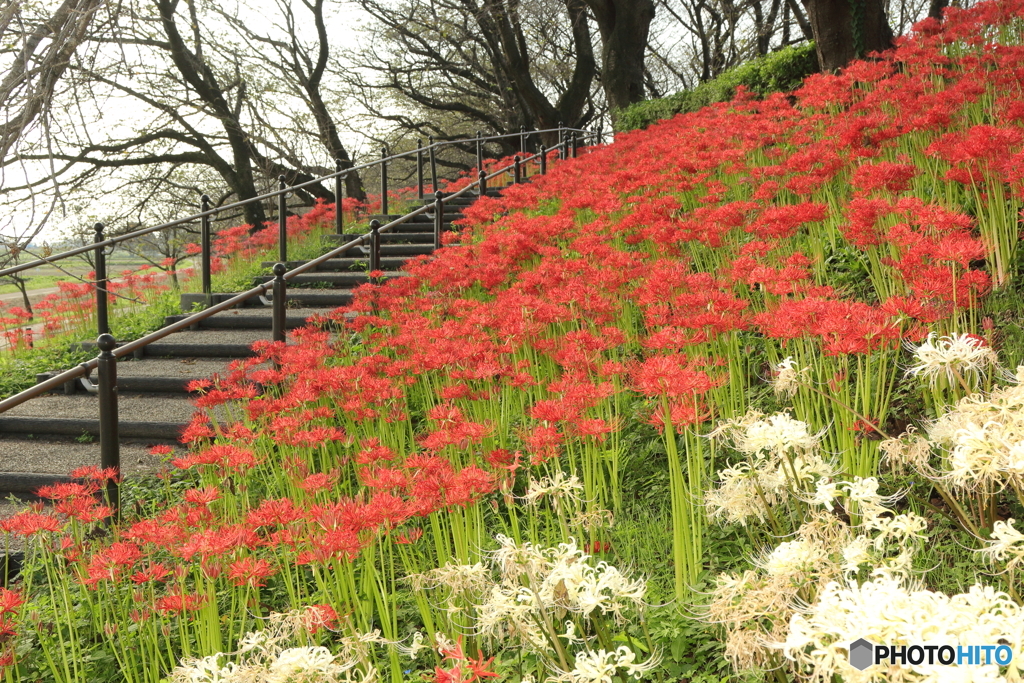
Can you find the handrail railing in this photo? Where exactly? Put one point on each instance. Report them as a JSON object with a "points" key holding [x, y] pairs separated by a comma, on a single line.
{"points": [[110, 352], [11, 270]]}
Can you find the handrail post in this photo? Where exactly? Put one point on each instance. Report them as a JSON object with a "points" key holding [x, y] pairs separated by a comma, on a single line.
{"points": [[483, 183], [280, 292], [522, 139], [206, 257], [374, 245], [574, 144], [339, 218], [282, 221], [438, 218], [479, 151], [419, 165], [102, 321], [517, 172], [110, 446], [543, 159], [561, 139], [433, 164], [384, 180]]}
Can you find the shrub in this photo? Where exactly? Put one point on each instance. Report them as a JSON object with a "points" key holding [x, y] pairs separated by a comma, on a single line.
{"points": [[780, 71]]}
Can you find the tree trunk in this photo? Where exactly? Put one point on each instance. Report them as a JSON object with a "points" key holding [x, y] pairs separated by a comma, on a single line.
{"points": [[835, 24], [935, 8], [624, 27], [23, 288]]}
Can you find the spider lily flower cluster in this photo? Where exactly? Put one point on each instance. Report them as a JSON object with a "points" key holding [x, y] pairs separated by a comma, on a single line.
{"points": [[263, 655], [954, 358], [782, 465], [557, 603], [757, 605], [888, 609], [979, 444]]}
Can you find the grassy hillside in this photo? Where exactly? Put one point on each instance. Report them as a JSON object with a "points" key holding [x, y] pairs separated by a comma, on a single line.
{"points": [[705, 404]]}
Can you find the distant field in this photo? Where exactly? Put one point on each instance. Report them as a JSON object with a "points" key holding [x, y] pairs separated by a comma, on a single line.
{"points": [[46, 277]]}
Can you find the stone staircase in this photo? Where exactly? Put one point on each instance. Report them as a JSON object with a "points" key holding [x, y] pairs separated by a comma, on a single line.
{"points": [[45, 438]]}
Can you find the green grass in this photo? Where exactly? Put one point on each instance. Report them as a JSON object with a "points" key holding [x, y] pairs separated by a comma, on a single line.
{"points": [[43, 282], [47, 276], [18, 370]]}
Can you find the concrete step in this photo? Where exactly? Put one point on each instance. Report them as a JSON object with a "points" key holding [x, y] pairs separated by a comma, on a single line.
{"points": [[208, 344], [191, 299], [27, 463], [336, 278], [360, 252], [466, 199], [330, 279], [251, 318], [159, 417], [165, 375], [414, 224], [404, 249], [202, 343], [159, 375], [353, 264], [319, 298], [400, 237]]}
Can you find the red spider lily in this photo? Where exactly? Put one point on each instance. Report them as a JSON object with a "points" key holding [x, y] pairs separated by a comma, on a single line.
{"points": [[373, 451], [274, 512], [10, 601], [671, 375], [883, 175], [86, 509], [155, 572], [452, 675], [29, 523], [501, 459], [409, 537], [319, 482], [203, 496], [111, 563], [543, 443], [160, 533], [179, 603], [479, 668], [250, 572], [319, 617], [67, 491], [218, 541], [225, 456], [96, 474]]}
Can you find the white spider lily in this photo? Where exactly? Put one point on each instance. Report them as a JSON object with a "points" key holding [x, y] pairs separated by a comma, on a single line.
{"points": [[953, 358]]}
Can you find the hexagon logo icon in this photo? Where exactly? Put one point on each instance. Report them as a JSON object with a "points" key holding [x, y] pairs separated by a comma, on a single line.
{"points": [[862, 654]]}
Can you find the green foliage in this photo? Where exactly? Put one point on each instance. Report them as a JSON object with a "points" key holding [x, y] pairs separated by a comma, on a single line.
{"points": [[31, 283], [780, 71], [145, 319], [18, 373], [692, 649]]}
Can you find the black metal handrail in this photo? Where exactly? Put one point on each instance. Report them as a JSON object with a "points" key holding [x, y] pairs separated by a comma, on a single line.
{"points": [[106, 362], [341, 173]]}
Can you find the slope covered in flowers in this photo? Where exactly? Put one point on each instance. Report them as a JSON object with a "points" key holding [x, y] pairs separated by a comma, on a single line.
{"points": [[583, 382]]}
